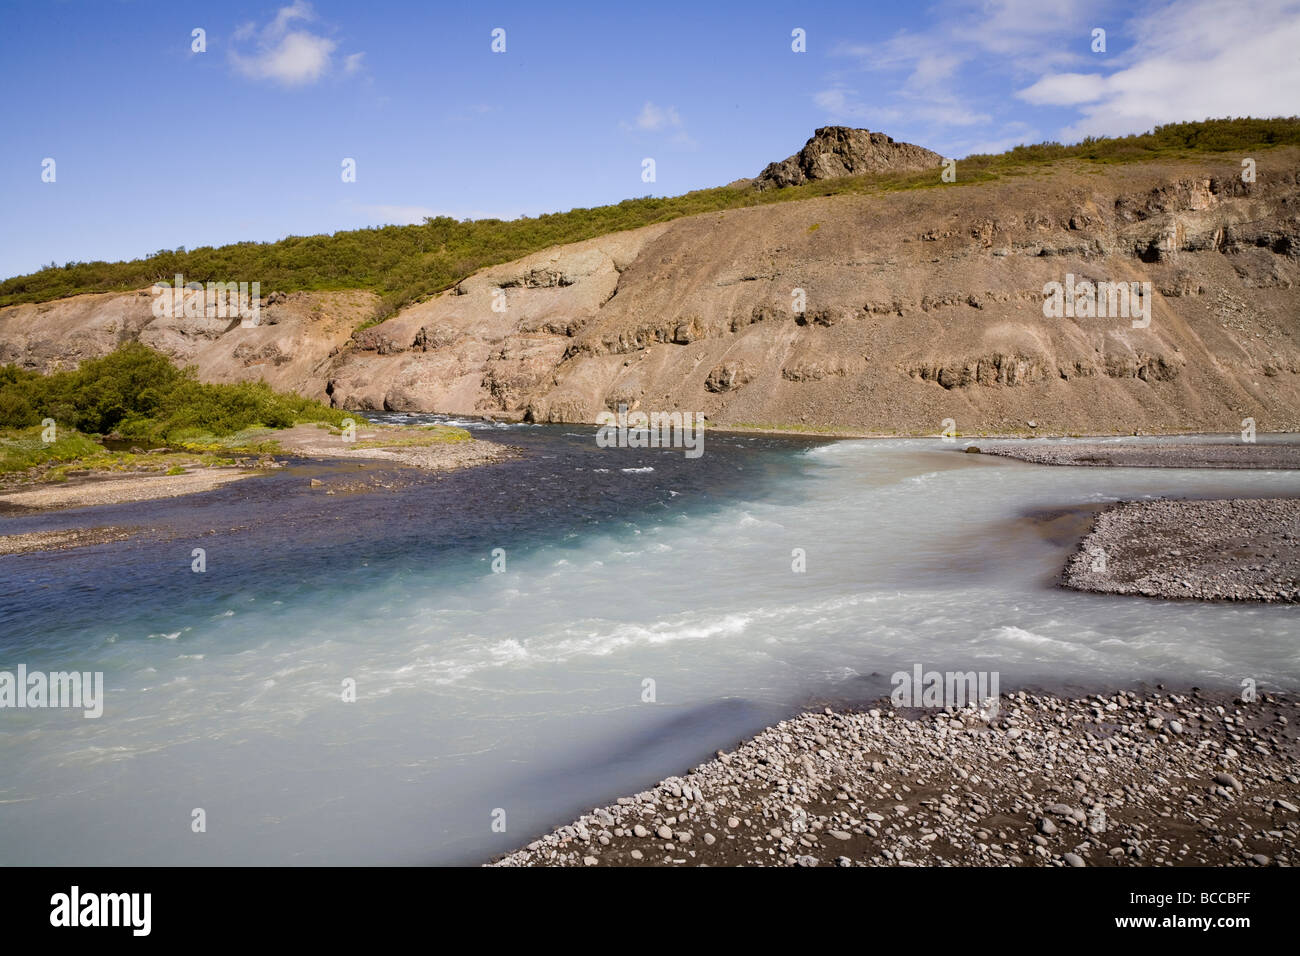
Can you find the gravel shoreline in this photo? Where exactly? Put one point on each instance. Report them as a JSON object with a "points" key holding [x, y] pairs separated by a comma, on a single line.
{"points": [[60, 540], [1124, 779], [305, 441], [1224, 550], [1273, 456], [94, 490], [392, 443]]}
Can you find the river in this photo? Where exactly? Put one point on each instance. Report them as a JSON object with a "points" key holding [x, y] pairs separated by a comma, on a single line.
{"points": [[523, 697]]}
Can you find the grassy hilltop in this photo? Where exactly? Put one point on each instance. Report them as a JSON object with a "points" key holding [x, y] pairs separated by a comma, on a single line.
{"points": [[404, 263]]}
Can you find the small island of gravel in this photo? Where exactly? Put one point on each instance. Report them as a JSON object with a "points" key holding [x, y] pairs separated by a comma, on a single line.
{"points": [[1227, 550], [1223, 550]]}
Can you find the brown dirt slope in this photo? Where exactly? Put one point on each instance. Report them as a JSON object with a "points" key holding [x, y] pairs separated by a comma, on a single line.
{"points": [[921, 305]]}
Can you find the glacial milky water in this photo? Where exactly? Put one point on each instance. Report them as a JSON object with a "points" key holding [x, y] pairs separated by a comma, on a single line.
{"points": [[522, 691]]}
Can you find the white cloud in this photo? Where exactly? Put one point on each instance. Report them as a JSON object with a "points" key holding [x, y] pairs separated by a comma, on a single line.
{"points": [[1189, 61], [933, 69], [293, 57], [1020, 28], [660, 119], [653, 118], [1065, 89], [1016, 134], [920, 88], [352, 62], [298, 10], [1174, 60], [842, 103]]}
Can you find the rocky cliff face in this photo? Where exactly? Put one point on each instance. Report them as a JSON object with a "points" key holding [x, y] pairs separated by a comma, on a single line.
{"points": [[290, 348], [836, 151], [885, 314]]}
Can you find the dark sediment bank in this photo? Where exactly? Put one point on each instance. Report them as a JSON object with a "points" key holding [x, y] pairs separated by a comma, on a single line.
{"points": [[1123, 779]]}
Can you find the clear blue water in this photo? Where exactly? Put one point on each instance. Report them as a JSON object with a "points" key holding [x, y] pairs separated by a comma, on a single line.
{"points": [[522, 691]]}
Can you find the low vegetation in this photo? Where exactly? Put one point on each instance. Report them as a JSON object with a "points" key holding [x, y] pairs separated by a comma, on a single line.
{"points": [[405, 263], [424, 436], [26, 448], [136, 395]]}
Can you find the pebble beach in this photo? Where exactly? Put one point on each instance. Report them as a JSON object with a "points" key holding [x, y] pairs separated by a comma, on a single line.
{"points": [[1146, 778]]}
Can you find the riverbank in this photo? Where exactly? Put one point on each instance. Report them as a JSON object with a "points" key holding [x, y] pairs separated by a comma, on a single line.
{"points": [[431, 447], [434, 448], [104, 488], [60, 540], [1124, 779], [1232, 549]]}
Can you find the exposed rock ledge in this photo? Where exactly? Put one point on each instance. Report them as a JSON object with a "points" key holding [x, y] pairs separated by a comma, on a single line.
{"points": [[918, 306], [835, 151]]}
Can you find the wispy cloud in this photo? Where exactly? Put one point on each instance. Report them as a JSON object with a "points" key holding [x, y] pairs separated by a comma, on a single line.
{"points": [[1014, 134], [843, 103], [1189, 61], [285, 51], [961, 84], [933, 86], [660, 119], [653, 118]]}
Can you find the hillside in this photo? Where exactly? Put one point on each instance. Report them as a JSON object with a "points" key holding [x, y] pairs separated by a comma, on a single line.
{"points": [[922, 304], [402, 264]]}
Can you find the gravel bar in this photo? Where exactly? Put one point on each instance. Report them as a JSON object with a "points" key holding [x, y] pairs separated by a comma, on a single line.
{"points": [[1272, 456], [1125, 779], [1224, 550]]}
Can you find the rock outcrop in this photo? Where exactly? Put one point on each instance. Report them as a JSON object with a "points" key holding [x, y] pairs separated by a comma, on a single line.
{"points": [[290, 348], [882, 313], [836, 151]]}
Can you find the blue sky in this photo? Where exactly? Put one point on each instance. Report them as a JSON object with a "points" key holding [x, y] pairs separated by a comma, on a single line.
{"points": [[156, 146]]}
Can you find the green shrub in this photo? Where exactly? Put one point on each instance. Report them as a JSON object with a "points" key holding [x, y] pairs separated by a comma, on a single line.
{"points": [[16, 411], [139, 394]]}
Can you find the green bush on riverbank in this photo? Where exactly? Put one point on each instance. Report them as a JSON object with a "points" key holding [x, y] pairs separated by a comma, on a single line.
{"points": [[405, 263], [139, 394], [26, 448]]}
